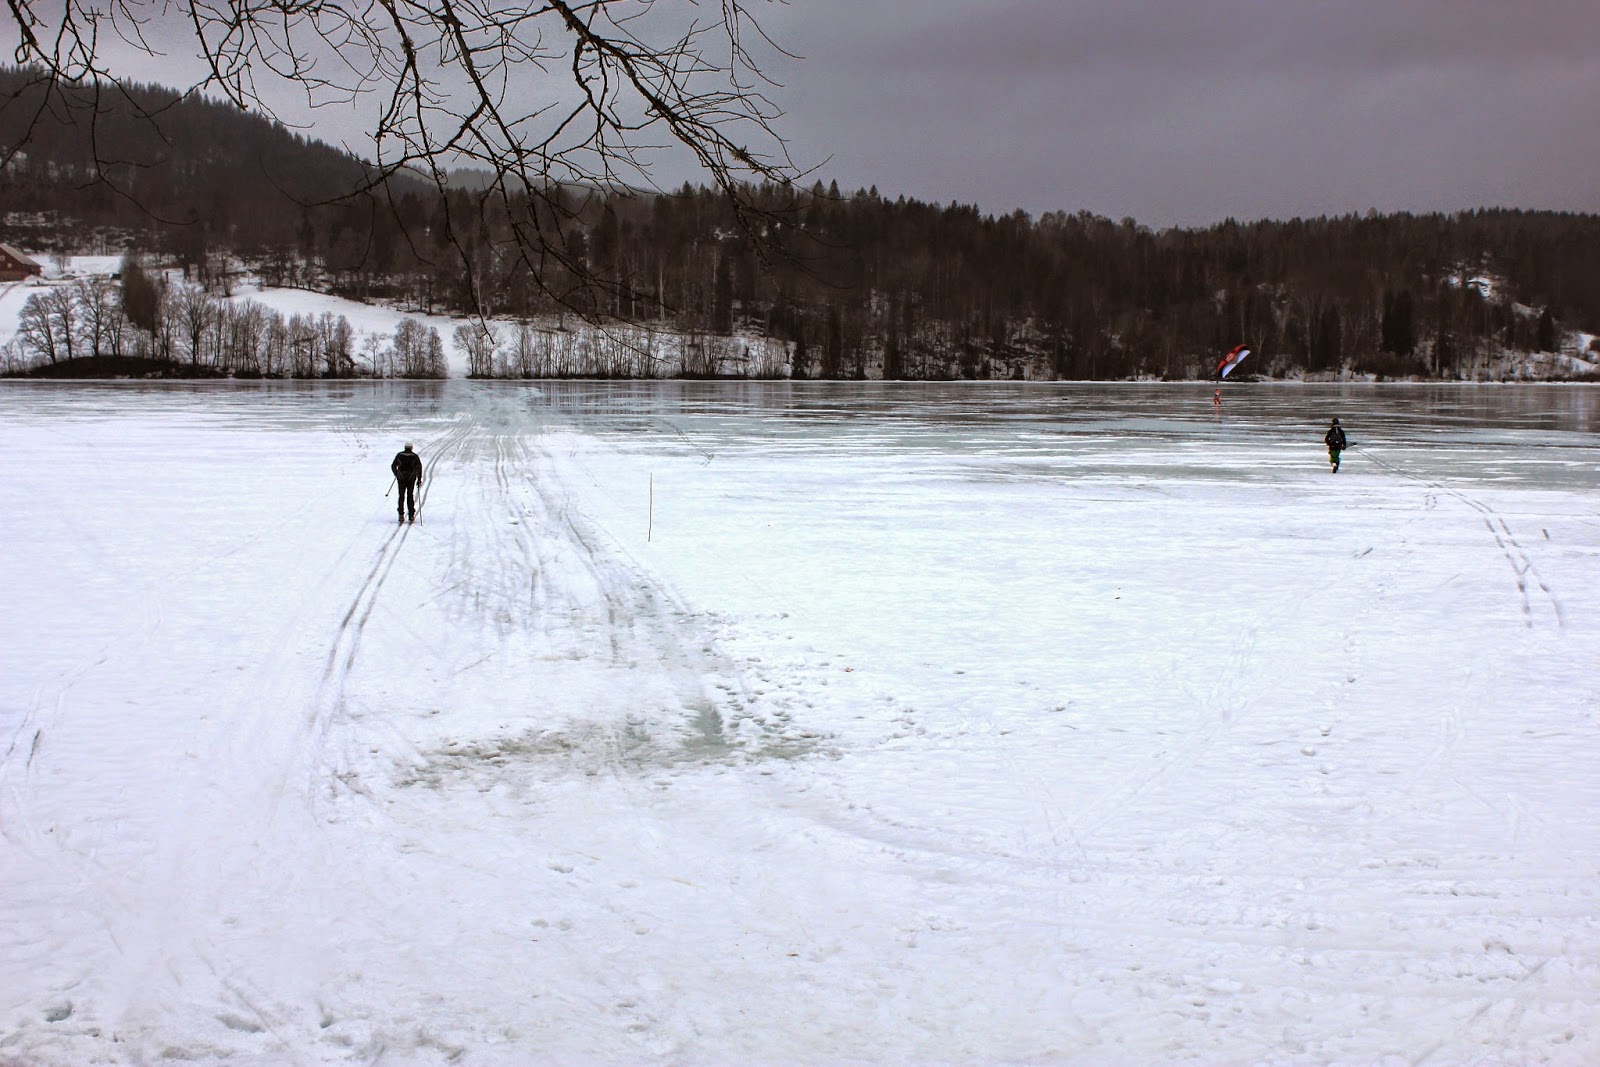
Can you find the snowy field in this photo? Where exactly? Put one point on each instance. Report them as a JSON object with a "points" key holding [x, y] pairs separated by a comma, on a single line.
{"points": [[773, 723]]}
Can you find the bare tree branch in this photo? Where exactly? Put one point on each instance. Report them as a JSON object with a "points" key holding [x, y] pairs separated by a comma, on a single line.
{"points": [[465, 83]]}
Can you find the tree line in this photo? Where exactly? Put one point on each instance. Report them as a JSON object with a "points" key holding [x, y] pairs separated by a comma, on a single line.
{"points": [[847, 285], [141, 323]]}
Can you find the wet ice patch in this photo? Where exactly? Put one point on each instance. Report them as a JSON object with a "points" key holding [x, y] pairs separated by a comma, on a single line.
{"points": [[634, 746]]}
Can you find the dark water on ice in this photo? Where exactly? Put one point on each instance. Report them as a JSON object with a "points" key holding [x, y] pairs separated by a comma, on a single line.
{"points": [[1519, 433], [1543, 434]]}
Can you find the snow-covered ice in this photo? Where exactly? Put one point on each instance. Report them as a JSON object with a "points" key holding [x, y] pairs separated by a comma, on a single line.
{"points": [[786, 723]]}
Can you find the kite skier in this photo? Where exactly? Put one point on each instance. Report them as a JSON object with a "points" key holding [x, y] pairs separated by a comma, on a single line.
{"points": [[1336, 442]]}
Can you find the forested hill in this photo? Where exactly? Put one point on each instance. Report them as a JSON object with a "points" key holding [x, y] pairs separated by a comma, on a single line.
{"points": [[1085, 297], [147, 160], [865, 285]]}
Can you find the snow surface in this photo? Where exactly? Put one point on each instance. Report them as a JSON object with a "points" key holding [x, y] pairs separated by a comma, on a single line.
{"points": [[12, 296], [736, 723]]}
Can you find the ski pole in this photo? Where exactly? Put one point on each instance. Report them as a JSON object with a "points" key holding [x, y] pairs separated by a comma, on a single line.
{"points": [[389, 490]]}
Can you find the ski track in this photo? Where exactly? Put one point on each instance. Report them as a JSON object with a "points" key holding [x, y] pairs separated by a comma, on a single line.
{"points": [[257, 756], [162, 925], [509, 582]]}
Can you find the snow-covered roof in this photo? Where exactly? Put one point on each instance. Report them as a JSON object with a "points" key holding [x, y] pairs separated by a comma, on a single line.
{"points": [[20, 256]]}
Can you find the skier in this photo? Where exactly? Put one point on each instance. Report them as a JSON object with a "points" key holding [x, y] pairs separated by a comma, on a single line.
{"points": [[1335, 440], [407, 468], [1216, 399]]}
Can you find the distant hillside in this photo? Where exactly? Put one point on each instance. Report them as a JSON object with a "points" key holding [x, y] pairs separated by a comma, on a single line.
{"points": [[861, 284], [148, 157]]}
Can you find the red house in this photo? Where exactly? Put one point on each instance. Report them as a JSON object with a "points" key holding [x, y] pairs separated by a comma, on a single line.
{"points": [[16, 265]]}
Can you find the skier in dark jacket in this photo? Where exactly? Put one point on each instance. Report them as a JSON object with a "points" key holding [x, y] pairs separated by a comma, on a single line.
{"points": [[407, 468], [1335, 440]]}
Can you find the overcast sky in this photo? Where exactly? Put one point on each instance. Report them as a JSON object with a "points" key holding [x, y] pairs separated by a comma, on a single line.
{"points": [[1173, 112], [1184, 112]]}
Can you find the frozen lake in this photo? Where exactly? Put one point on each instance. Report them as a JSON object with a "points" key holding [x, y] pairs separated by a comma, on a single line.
{"points": [[800, 723]]}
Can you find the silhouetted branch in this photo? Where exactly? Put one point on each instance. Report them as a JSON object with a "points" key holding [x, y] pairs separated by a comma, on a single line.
{"points": [[547, 96]]}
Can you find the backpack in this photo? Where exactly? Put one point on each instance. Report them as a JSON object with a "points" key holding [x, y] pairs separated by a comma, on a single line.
{"points": [[407, 466]]}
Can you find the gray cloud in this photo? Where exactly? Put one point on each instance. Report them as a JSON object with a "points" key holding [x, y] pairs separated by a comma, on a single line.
{"points": [[1185, 112]]}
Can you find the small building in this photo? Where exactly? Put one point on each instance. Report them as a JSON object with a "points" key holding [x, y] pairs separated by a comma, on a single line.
{"points": [[15, 265]]}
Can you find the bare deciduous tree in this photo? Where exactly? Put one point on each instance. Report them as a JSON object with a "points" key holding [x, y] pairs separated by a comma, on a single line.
{"points": [[193, 311], [97, 312], [479, 342], [38, 334], [335, 337]]}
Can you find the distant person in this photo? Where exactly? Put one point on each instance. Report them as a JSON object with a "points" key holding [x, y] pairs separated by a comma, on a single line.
{"points": [[407, 468], [1336, 442], [1216, 398]]}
